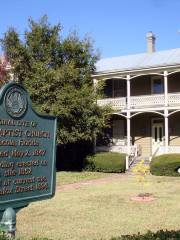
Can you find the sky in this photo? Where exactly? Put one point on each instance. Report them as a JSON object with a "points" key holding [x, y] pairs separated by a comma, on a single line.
{"points": [[118, 27]]}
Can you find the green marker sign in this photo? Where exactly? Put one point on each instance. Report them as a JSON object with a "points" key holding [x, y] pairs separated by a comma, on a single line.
{"points": [[27, 150]]}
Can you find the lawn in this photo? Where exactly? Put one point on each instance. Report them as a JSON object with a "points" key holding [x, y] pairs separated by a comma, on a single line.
{"points": [[74, 177], [102, 211]]}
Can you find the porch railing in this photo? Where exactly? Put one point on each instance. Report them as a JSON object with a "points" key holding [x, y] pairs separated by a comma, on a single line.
{"points": [[142, 101], [173, 99], [118, 148], [147, 101], [171, 149], [116, 103]]}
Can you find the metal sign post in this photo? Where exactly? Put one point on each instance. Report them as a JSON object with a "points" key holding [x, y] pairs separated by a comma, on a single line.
{"points": [[8, 222]]}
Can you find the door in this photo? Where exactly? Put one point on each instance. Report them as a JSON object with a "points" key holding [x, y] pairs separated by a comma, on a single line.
{"points": [[157, 134]]}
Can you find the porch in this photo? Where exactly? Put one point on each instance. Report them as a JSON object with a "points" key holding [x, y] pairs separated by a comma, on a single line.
{"points": [[149, 133], [142, 91], [142, 101]]}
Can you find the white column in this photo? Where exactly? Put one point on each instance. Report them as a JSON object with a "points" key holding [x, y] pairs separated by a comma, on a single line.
{"points": [[166, 130], [128, 92], [166, 111], [128, 120], [128, 138], [166, 88]]}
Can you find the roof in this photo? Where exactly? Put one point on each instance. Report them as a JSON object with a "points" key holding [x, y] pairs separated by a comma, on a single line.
{"points": [[139, 61]]}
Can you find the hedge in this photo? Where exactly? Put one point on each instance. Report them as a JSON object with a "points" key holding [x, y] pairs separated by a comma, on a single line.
{"points": [[160, 235], [165, 165], [70, 157], [109, 162]]}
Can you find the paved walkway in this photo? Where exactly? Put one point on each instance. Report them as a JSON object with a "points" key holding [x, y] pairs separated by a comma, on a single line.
{"points": [[92, 182]]}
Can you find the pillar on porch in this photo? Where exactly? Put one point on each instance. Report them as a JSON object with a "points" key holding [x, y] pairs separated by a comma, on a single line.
{"points": [[166, 88], [166, 111], [166, 130], [128, 133], [128, 92], [128, 139], [128, 121]]}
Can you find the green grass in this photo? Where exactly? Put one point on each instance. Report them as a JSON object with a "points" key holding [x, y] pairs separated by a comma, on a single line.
{"points": [[103, 211], [74, 177]]}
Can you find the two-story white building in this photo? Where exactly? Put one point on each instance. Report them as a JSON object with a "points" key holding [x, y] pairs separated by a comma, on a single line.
{"points": [[144, 92]]}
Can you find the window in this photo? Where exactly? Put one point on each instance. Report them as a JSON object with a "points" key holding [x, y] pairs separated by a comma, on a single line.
{"points": [[157, 85]]}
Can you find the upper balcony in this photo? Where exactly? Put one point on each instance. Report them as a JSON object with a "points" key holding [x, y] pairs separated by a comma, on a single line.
{"points": [[144, 92], [142, 101]]}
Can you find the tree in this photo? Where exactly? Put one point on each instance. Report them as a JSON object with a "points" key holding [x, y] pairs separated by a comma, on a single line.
{"points": [[57, 72]]}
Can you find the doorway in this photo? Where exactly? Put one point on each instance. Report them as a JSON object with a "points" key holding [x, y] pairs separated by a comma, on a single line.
{"points": [[157, 134]]}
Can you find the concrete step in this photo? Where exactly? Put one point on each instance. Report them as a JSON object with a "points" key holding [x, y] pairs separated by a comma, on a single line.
{"points": [[146, 162], [138, 160]]}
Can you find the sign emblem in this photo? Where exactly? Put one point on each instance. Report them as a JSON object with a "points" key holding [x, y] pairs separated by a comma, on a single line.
{"points": [[15, 102]]}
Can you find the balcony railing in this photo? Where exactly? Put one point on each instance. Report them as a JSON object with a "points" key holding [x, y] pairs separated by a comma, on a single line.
{"points": [[147, 101], [116, 103], [170, 149], [142, 101]]}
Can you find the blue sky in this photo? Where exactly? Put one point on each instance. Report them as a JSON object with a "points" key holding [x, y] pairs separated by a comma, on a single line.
{"points": [[118, 27]]}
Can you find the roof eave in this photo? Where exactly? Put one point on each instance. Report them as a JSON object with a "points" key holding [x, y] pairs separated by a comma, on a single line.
{"points": [[127, 71]]}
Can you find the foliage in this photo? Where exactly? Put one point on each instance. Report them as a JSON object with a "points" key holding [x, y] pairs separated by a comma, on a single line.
{"points": [[165, 165], [71, 156], [141, 171], [160, 235], [106, 162], [57, 72]]}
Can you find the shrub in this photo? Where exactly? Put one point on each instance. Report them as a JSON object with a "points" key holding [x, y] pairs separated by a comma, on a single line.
{"points": [[70, 157], [165, 165], [160, 235], [106, 162]]}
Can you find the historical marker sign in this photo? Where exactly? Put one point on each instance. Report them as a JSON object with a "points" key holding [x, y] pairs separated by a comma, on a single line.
{"points": [[27, 150]]}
